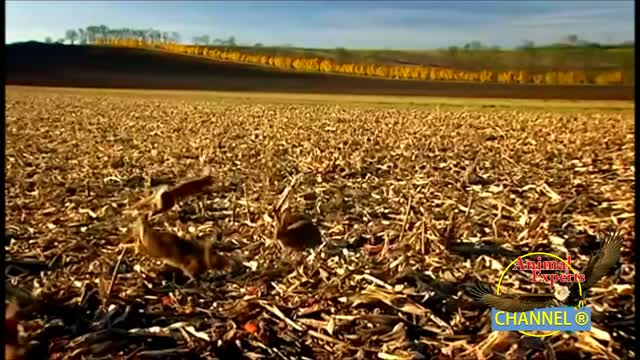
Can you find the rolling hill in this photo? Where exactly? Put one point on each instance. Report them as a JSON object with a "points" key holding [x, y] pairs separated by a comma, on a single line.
{"points": [[540, 59], [39, 64]]}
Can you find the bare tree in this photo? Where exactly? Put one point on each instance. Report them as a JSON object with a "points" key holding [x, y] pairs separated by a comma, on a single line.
{"points": [[139, 34], [71, 35], [201, 40], [572, 39], [127, 33], [114, 34], [82, 34], [528, 44], [155, 36], [92, 32], [476, 45], [102, 31]]}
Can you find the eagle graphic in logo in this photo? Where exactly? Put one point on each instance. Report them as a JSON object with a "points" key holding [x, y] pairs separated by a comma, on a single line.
{"points": [[597, 267]]}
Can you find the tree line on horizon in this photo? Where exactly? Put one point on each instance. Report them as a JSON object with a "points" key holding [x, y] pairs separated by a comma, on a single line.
{"points": [[92, 33], [227, 50]]}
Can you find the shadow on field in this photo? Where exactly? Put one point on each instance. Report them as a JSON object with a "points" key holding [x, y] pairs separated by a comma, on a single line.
{"points": [[38, 64]]}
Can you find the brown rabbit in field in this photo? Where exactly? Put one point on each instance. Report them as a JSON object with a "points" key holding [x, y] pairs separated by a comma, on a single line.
{"points": [[12, 348], [297, 230], [192, 257], [166, 197]]}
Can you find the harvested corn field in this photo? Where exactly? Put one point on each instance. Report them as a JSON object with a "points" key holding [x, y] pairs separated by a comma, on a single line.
{"points": [[413, 202]]}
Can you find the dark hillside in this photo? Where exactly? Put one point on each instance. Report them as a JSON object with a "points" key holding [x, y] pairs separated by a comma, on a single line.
{"points": [[40, 64], [28, 57]]}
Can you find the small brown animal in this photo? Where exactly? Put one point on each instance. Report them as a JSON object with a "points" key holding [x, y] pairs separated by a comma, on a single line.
{"points": [[166, 197], [296, 230], [12, 348], [192, 257]]}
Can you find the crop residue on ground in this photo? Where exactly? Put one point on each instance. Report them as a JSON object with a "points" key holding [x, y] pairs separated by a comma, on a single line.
{"points": [[413, 203]]}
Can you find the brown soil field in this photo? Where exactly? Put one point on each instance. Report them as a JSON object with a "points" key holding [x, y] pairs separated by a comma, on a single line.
{"points": [[414, 203], [85, 66]]}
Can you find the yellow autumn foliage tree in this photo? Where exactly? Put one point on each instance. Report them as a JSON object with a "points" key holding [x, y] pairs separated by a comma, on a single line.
{"points": [[407, 72]]}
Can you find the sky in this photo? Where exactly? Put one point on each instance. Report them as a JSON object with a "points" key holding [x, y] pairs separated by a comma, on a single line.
{"points": [[330, 24]]}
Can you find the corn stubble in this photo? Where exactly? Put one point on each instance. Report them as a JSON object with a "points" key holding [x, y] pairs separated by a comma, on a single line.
{"points": [[375, 180]]}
